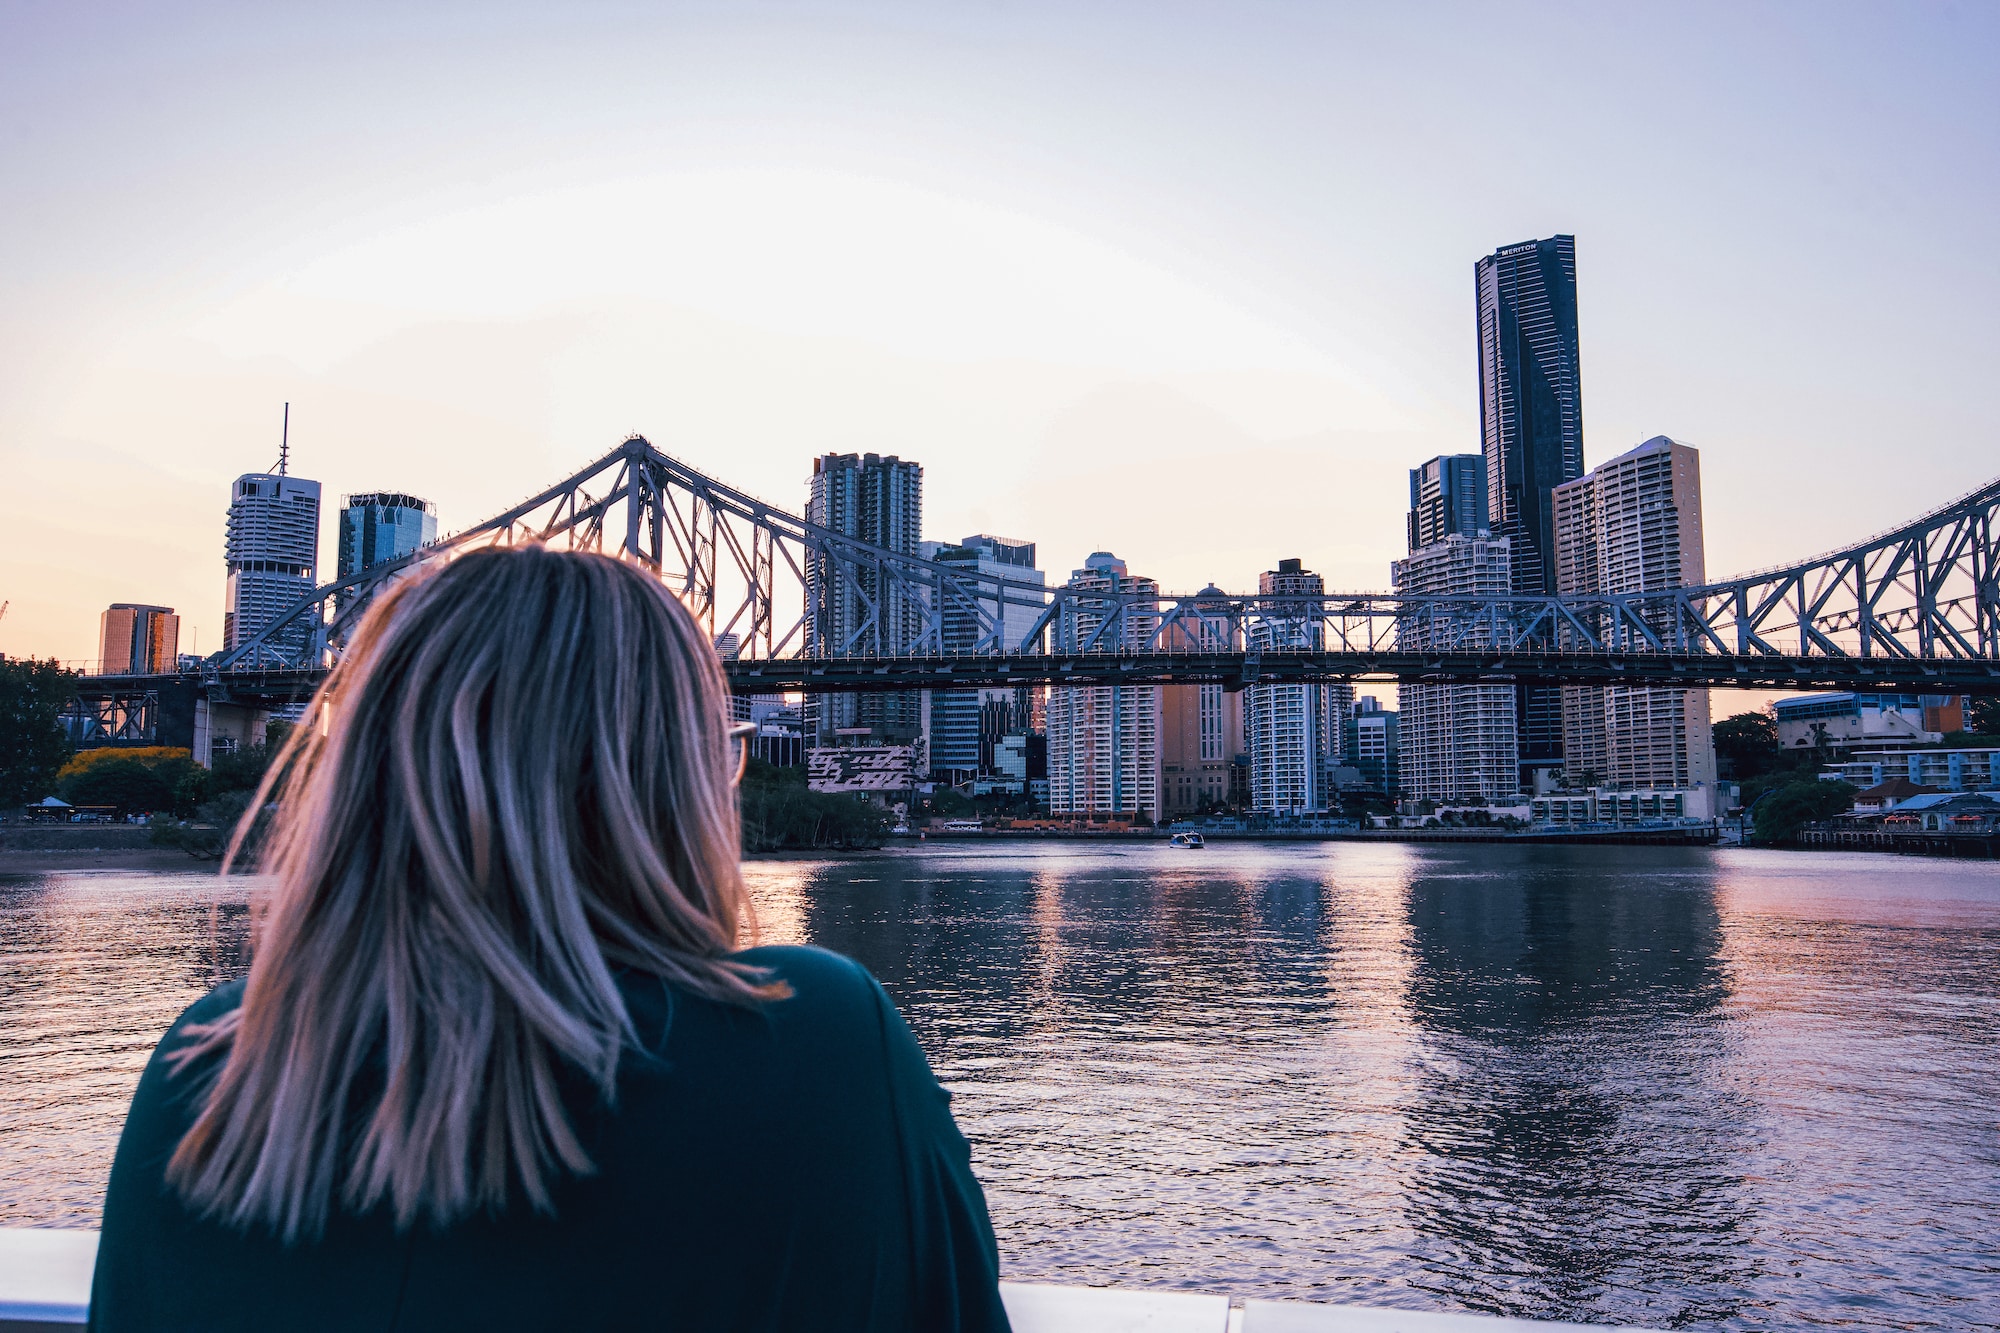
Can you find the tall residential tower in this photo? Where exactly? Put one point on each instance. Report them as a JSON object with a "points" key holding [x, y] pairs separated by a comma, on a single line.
{"points": [[1104, 740], [1201, 726], [1458, 742], [1294, 731], [1633, 525], [880, 501], [1531, 424]]}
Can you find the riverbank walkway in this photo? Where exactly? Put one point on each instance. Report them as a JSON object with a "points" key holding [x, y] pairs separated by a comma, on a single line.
{"points": [[45, 1288]]}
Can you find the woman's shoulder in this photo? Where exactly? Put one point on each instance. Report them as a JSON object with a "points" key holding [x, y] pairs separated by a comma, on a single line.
{"points": [[831, 997], [218, 1003], [806, 968]]}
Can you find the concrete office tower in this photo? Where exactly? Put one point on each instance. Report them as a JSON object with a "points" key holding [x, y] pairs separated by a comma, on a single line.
{"points": [[1104, 740], [381, 526], [1201, 726], [1531, 423], [1459, 742], [1447, 495], [1634, 525], [881, 501], [1374, 745], [966, 725], [1294, 731], [135, 640], [273, 554]]}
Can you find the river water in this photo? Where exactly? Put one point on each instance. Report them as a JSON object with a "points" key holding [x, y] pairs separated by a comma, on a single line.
{"points": [[1658, 1086]]}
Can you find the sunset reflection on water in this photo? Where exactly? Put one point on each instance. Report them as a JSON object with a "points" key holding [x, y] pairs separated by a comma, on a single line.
{"points": [[1650, 1086]]}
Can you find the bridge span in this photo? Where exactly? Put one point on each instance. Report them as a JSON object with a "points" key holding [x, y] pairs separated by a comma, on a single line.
{"points": [[1913, 609]]}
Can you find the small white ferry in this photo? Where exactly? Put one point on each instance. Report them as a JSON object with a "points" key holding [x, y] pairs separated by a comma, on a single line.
{"points": [[1188, 840]]}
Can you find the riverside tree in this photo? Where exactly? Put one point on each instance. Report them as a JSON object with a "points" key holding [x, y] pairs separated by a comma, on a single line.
{"points": [[33, 745]]}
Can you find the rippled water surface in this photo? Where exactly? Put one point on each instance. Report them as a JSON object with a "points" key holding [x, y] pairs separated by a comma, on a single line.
{"points": [[1652, 1086]]}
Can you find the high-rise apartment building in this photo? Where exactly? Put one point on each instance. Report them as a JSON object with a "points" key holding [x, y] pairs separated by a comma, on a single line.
{"points": [[1633, 525], [272, 549], [1531, 423], [1447, 495], [1294, 731], [138, 640], [1458, 742], [967, 725], [879, 500], [1104, 740], [1201, 726], [381, 526]]}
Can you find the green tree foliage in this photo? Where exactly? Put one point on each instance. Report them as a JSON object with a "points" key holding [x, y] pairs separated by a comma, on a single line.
{"points": [[1791, 806], [780, 813], [33, 747], [206, 835], [126, 785], [1746, 745], [150, 755], [948, 804], [209, 802], [1985, 718], [135, 779]]}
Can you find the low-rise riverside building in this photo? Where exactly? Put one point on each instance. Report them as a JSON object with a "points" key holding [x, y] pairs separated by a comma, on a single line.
{"points": [[1887, 795], [1605, 805], [1847, 717], [1967, 768]]}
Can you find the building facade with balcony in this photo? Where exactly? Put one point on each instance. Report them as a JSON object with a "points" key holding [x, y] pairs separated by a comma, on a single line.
{"points": [[271, 549], [1293, 731], [1104, 740], [1945, 769], [879, 500], [1633, 525], [1458, 742]]}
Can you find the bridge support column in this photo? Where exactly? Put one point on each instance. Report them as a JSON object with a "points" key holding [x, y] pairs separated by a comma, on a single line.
{"points": [[221, 728]]}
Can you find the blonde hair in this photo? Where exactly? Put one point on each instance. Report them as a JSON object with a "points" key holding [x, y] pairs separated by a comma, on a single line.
{"points": [[519, 781]]}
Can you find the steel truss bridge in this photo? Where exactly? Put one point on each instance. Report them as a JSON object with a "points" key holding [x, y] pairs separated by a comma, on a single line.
{"points": [[1916, 609]]}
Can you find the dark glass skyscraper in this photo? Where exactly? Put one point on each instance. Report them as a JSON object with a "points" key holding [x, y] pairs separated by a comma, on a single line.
{"points": [[381, 526], [1531, 422], [1447, 495]]}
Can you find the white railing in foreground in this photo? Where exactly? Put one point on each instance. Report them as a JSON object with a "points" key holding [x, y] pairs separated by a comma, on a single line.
{"points": [[45, 1288]]}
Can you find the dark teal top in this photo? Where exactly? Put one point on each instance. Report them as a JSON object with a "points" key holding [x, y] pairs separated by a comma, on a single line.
{"points": [[789, 1167]]}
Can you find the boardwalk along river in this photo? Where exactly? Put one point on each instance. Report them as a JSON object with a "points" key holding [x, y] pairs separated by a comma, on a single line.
{"points": [[1652, 1086]]}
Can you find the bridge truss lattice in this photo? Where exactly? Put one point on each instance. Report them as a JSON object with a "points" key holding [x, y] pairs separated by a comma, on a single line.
{"points": [[802, 606]]}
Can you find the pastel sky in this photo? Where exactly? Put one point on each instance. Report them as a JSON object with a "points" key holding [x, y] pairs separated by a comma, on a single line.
{"points": [[1192, 283]]}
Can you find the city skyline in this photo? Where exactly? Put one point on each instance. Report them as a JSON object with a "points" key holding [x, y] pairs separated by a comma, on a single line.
{"points": [[1199, 255]]}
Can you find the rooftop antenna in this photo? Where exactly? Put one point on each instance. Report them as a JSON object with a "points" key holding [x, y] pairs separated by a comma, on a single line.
{"points": [[285, 442]]}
